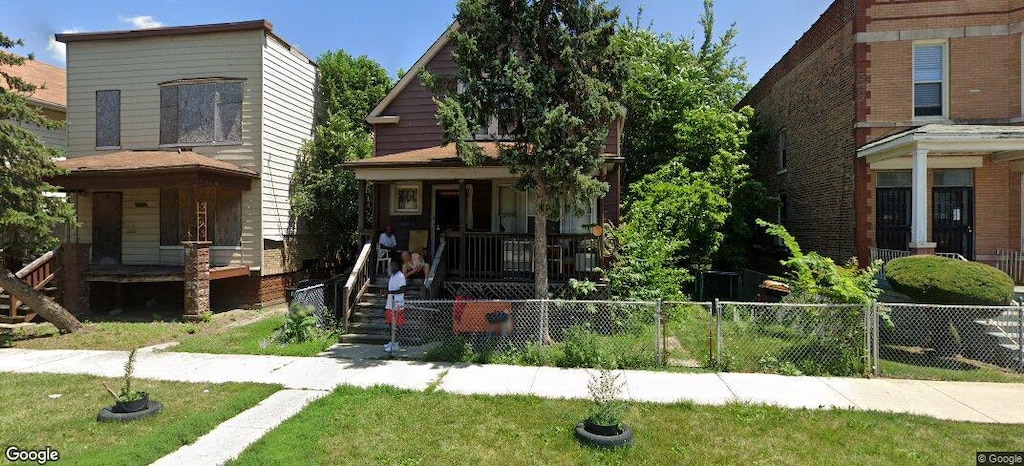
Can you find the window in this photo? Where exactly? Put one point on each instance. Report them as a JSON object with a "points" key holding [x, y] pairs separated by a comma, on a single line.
{"points": [[895, 179], [783, 151], [498, 127], [178, 215], [108, 119], [952, 178], [575, 222], [406, 199], [929, 80], [508, 209], [201, 114]]}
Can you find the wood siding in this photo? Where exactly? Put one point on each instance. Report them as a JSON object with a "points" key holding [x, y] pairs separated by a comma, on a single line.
{"points": [[417, 126], [56, 138], [288, 120]]}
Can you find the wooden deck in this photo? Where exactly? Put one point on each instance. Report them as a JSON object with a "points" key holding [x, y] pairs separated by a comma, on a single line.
{"points": [[154, 273]]}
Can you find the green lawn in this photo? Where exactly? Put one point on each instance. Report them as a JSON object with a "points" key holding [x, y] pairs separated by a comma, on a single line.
{"points": [[30, 419], [390, 426], [253, 338], [131, 330]]}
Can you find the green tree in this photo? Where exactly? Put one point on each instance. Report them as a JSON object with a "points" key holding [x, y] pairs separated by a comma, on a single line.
{"points": [[551, 73], [674, 92], [324, 195], [28, 211]]}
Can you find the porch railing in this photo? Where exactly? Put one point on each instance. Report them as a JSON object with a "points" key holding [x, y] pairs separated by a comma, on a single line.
{"points": [[886, 255], [509, 257], [432, 285], [357, 283], [1011, 261], [36, 274]]}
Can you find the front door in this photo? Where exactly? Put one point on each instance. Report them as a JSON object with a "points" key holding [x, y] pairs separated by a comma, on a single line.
{"points": [[106, 228], [892, 219], [953, 220]]}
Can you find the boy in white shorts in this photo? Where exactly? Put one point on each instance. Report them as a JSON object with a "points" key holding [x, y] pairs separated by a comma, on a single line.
{"points": [[394, 311]]}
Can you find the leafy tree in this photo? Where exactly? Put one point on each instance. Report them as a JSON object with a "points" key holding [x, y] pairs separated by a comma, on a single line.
{"points": [[325, 195], [28, 211], [643, 267], [675, 93], [551, 73], [750, 201]]}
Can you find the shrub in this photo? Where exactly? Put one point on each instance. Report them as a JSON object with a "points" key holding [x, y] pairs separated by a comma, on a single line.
{"points": [[300, 326], [453, 348], [583, 349], [941, 280]]}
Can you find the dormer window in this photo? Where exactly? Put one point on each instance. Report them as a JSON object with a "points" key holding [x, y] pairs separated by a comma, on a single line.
{"points": [[201, 113]]}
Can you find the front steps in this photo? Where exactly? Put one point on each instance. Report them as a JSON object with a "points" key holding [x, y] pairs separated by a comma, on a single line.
{"points": [[366, 323]]}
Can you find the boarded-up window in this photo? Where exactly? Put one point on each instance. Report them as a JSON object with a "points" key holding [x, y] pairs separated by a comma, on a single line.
{"points": [[203, 113], [108, 118], [178, 220]]}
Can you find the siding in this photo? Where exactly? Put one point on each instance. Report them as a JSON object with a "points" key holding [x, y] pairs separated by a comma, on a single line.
{"points": [[57, 138], [140, 237], [288, 111], [417, 126], [137, 66]]}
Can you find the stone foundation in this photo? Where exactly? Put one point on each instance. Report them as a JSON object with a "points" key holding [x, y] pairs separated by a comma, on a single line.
{"points": [[197, 279]]}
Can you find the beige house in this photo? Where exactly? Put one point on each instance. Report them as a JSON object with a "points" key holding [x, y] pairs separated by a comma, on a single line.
{"points": [[187, 134], [50, 97]]}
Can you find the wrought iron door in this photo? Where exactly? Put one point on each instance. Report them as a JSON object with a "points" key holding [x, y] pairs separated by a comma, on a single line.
{"points": [[892, 218], [953, 220]]}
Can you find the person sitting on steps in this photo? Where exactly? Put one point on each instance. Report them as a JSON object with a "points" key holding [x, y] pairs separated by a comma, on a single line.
{"points": [[413, 266]]}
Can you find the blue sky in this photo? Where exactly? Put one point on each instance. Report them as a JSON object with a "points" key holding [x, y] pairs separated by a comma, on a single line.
{"points": [[393, 32]]}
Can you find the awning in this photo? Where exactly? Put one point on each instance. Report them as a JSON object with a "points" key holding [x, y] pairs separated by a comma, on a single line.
{"points": [[411, 165], [1001, 142], [150, 169]]}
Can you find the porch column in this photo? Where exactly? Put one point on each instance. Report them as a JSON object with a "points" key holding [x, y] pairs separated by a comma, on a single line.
{"points": [[919, 243], [197, 279], [361, 218], [462, 226]]}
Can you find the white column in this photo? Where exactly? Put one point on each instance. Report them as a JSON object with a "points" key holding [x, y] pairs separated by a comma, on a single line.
{"points": [[919, 195]]}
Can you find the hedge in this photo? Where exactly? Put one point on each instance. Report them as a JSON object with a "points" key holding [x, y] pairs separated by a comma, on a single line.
{"points": [[941, 280]]}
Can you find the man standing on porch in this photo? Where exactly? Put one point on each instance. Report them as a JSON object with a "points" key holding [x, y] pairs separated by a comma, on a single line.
{"points": [[387, 239]]}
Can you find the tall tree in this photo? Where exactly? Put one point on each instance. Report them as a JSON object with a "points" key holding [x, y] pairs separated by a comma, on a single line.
{"points": [[325, 195], [28, 210], [551, 73]]}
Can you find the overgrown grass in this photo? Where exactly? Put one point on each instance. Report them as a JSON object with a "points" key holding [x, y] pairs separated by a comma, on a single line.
{"points": [[254, 338], [391, 426], [31, 419], [130, 330]]}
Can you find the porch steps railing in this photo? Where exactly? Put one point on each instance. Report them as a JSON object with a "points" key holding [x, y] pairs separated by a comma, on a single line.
{"points": [[435, 281], [1011, 261], [37, 274], [357, 283]]}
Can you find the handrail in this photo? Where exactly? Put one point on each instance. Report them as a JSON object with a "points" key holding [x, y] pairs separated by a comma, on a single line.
{"points": [[433, 283], [37, 274], [358, 280]]}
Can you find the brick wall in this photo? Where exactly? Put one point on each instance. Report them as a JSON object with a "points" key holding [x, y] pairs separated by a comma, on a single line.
{"points": [[810, 94]]}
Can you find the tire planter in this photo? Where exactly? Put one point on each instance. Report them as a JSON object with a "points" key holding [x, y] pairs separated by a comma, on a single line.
{"points": [[113, 414], [604, 436]]}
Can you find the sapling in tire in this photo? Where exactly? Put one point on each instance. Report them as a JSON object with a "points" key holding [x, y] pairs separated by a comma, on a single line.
{"points": [[603, 426], [129, 404]]}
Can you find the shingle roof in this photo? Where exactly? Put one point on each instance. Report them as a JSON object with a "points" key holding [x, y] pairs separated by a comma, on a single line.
{"points": [[941, 131], [53, 81], [443, 156], [149, 160]]}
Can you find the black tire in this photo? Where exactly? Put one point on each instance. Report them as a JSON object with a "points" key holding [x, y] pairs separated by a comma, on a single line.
{"points": [[623, 439], [108, 415]]}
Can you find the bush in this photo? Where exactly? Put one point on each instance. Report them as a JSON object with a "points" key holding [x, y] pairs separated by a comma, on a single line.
{"points": [[941, 280]]}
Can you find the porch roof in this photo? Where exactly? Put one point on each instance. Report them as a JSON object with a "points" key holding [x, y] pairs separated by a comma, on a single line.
{"points": [[1002, 142], [395, 166], [150, 168]]}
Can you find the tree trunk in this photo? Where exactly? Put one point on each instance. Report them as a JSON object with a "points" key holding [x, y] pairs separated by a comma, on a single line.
{"points": [[540, 247], [38, 302]]}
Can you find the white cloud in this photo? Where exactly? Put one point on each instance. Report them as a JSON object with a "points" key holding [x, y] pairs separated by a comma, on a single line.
{"points": [[141, 21], [58, 50]]}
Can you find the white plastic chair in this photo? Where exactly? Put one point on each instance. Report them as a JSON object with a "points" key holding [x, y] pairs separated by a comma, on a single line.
{"points": [[383, 260]]}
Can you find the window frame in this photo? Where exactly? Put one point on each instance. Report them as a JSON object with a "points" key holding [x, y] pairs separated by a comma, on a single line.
{"points": [[96, 121], [945, 80], [782, 155], [393, 201], [193, 82]]}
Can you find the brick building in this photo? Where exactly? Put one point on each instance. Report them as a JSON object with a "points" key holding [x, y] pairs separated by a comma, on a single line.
{"points": [[895, 128]]}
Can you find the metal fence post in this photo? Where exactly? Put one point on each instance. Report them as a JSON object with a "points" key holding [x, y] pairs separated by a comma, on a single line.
{"points": [[718, 331], [659, 333], [876, 364], [1020, 338]]}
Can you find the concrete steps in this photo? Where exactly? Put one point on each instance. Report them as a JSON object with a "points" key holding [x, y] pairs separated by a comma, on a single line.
{"points": [[367, 324]]}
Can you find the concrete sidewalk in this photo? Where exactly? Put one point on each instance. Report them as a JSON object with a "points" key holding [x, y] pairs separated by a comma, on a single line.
{"points": [[308, 378]]}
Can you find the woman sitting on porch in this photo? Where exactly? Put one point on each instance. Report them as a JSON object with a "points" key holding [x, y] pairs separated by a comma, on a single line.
{"points": [[413, 265]]}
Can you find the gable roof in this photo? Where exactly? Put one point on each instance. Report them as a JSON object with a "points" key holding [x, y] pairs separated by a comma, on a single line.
{"points": [[52, 82], [437, 156], [376, 115]]}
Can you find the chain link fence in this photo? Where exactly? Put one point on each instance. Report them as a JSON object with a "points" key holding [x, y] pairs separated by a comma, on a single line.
{"points": [[932, 341], [320, 300], [536, 332]]}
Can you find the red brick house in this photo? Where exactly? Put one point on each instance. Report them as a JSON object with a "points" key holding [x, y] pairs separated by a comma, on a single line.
{"points": [[430, 197], [896, 129]]}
